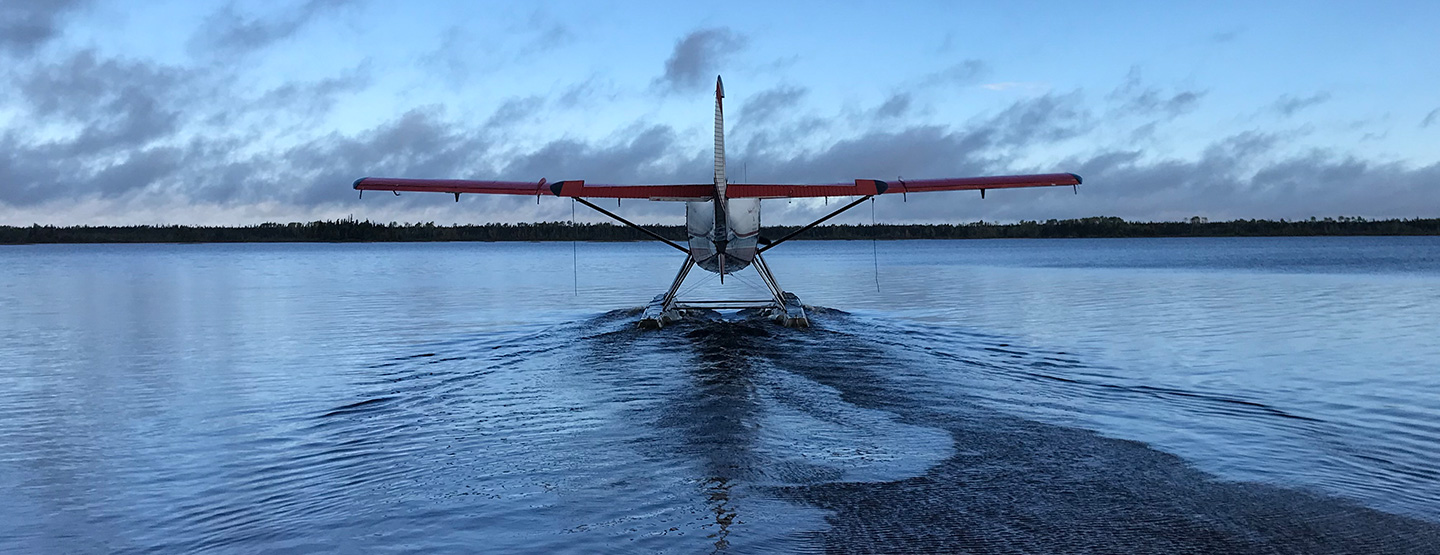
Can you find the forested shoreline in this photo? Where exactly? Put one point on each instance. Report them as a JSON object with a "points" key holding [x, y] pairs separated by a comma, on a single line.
{"points": [[350, 230]]}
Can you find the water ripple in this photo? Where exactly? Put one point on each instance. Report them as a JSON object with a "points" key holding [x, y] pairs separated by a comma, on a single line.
{"points": [[995, 397]]}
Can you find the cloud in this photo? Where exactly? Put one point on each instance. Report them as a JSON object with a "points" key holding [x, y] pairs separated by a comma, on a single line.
{"points": [[924, 151], [119, 116], [122, 128], [1222, 184], [514, 111], [947, 44], [1134, 97], [1243, 175], [895, 106], [1034, 86], [115, 103], [312, 98], [420, 143], [643, 154], [36, 174], [780, 135], [1226, 36], [229, 32], [1240, 176], [1046, 118], [962, 73], [697, 58], [1288, 105], [464, 55], [25, 25], [919, 151], [121, 136], [545, 31], [585, 93], [768, 104]]}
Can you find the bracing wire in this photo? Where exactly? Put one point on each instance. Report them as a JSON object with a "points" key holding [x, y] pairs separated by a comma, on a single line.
{"points": [[874, 247], [686, 291], [750, 283], [691, 287]]}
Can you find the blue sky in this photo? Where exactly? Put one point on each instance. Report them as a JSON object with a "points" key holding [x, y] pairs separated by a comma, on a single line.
{"points": [[237, 113]]}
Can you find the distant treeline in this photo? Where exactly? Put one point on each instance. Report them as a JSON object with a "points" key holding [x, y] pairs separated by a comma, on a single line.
{"points": [[349, 230]]}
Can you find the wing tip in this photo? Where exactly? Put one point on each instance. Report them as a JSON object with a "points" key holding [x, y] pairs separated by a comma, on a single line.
{"points": [[356, 185], [567, 187], [1077, 178]]}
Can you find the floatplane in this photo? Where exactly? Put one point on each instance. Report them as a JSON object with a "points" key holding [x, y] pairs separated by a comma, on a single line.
{"points": [[722, 220]]}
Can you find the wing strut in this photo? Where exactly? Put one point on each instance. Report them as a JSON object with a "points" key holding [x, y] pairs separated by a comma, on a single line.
{"points": [[815, 223], [617, 218]]}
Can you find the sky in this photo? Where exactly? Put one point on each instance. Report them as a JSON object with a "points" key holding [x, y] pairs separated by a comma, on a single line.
{"points": [[238, 113]]}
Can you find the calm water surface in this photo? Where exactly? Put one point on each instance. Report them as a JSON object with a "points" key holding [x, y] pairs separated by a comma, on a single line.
{"points": [[1161, 395]]}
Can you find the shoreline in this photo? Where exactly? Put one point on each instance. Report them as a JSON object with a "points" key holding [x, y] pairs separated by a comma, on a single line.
{"points": [[353, 231]]}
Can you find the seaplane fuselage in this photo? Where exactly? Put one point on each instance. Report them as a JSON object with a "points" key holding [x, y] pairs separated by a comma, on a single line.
{"points": [[723, 232]]}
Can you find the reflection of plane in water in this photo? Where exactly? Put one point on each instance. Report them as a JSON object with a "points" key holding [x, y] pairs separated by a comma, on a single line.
{"points": [[720, 417], [721, 218], [718, 489]]}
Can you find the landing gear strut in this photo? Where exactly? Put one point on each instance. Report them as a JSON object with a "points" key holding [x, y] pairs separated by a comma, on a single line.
{"points": [[783, 306]]}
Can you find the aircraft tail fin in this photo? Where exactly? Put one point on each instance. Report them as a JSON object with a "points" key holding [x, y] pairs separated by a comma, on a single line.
{"points": [[719, 140], [721, 233]]}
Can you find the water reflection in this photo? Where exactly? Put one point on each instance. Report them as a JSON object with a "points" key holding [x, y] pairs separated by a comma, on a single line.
{"points": [[389, 397], [721, 413], [718, 490]]}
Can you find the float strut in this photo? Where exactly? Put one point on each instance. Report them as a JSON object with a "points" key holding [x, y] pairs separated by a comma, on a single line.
{"points": [[617, 218], [814, 223]]}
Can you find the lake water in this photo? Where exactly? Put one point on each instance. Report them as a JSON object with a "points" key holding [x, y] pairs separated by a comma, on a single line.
{"points": [[1266, 395]]}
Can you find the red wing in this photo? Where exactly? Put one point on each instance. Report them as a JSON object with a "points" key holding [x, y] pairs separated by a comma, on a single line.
{"points": [[578, 188], [993, 182], [754, 190], [863, 187], [571, 188], [450, 186]]}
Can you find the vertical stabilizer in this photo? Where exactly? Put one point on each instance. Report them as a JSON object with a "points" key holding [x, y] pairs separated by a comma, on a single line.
{"points": [[722, 232], [719, 140]]}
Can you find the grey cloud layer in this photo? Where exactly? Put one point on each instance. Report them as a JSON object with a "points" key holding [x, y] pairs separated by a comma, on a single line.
{"points": [[139, 130]]}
